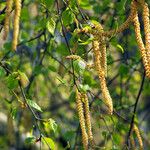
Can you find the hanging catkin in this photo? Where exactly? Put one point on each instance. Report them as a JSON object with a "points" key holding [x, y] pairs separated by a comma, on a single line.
{"points": [[141, 44], [101, 74], [132, 142], [16, 24], [146, 22], [103, 59], [7, 18], [102, 47], [81, 119], [97, 33], [139, 138], [87, 118]]}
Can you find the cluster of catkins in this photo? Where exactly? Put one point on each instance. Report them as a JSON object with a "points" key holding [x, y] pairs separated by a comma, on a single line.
{"points": [[100, 60], [84, 118], [16, 19], [144, 48]]}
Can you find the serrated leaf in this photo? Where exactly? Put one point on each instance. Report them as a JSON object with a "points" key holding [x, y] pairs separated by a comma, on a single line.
{"points": [[34, 105], [51, 26], [79, 66], [53, 124], [48, 141], [50, 125], [67, 17]]}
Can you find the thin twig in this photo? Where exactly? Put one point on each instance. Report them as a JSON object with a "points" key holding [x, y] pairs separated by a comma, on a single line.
{"points": [[135, 108]]}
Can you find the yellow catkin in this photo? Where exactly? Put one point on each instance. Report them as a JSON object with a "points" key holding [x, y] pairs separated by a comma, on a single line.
{"points": [[81, 119], [137, 132], [141, 44], [101, 74], [103, 56], [74, 57], [132, 142], [89, 66], [7, 18], [16, 24], [146, 22], [87, 118], [97, 33], [102, 47]]}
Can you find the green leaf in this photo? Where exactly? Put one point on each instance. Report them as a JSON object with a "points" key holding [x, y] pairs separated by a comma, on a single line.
{"points": [[116, 138], [53, 124], [69, 135], [48, 141], [67, 17], [72, 97], [84, 4], [37, 70], [84, 88], [47, 3], [34, 105], [121, 127], [62, 49], [23, 79], [50, 125], [2, 17], [11, 82], [7, 46], [14, 113], [52, 68], [120, 6], [25, 14], [2, 72], [87, 79], [51, 26], [79, 66], [105, 134], [30, 140], [41, 23], [123, 70], [98, 102]]}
